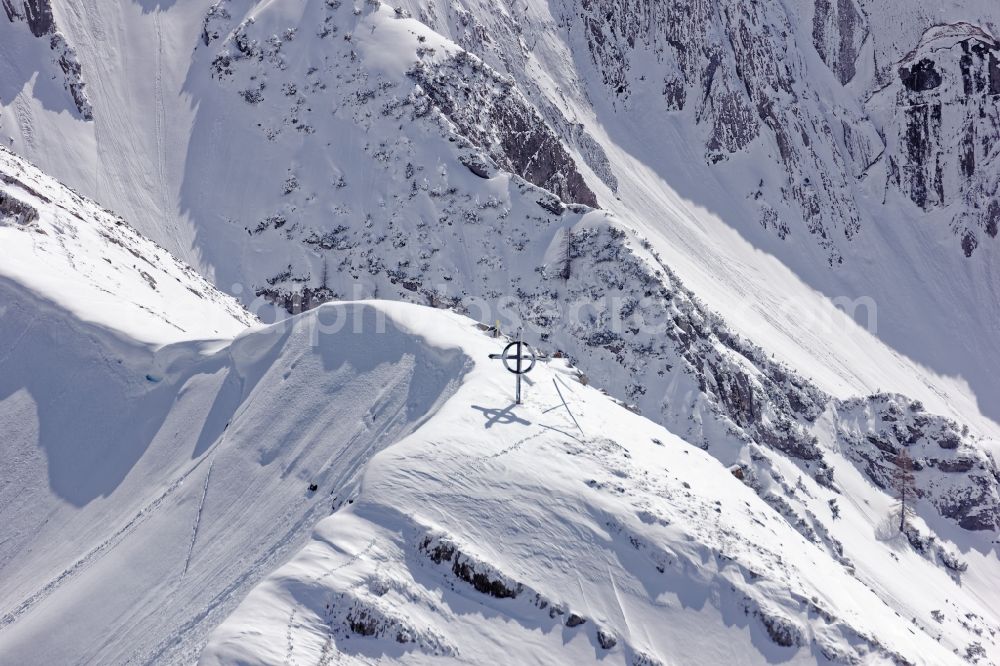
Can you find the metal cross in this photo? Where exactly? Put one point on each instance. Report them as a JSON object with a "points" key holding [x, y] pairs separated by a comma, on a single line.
{"points": [[514, 356]]}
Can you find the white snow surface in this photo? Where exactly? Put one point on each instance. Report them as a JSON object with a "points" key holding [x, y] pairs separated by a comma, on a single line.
{"points": [[74, 253], [167, 501], [154, 497], [144, 490], [184, 159], [574, 505], [156, 503]]}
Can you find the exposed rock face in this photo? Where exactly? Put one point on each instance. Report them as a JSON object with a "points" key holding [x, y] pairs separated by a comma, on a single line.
{"points": [[471, 570], [782, 630], [499, 39], [489, 111], [362, 614], [215, 21], [736, 69], [839, 30], [921, 76], [15, 211], [72, 75], [946, 126], [738, 72], [36, 13]]}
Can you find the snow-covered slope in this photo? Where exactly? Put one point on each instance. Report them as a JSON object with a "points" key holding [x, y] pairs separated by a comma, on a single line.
{"points": [[299, 151], [570, 530], [144, 492], [144, 489], [160, 491], [567, 530], [66, 249], [744, 138]]}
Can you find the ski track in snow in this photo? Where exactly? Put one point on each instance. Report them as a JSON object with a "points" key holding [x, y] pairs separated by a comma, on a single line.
{"points": [[477, 462], [160, 117], [197, 518], [13, 346], [318, 578], [328, 653], [290, 648], [185, 637], [97, 552], [325, 655]]}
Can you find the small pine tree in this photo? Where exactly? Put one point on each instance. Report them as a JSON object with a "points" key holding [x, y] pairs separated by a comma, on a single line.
{"points": [[903, 484]]}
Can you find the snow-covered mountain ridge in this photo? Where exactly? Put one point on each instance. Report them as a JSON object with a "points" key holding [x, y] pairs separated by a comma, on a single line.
{"points": [[510, 497], [316, 151], [172, 457], [563, 530], [178, 154], [648, 338], [69, 250]]}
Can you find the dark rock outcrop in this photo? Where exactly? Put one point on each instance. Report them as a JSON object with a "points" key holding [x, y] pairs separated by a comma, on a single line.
{"points": [[72, 75], [839, 30], [920, 76], [483, 577], [947, 122], [781, 630], [16, 211], [488, 110], [951, 471], [733, 68], [36, 13]]}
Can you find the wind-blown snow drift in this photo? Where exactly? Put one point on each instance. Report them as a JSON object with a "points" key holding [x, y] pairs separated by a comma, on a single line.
{"points": [[145, 491], [565, 530]]}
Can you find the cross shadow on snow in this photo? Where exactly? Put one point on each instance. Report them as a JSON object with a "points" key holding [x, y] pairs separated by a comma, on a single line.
{"points": [[505, 416]]}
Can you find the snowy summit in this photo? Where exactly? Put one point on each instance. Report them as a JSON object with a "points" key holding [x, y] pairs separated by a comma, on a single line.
{"points": [[259, 259]]}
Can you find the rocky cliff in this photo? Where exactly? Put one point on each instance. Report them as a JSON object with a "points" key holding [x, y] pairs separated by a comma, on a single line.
{"points": [[36, 13], [37, 16], [944, 128], [747, 78]]}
